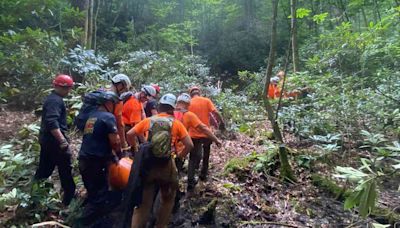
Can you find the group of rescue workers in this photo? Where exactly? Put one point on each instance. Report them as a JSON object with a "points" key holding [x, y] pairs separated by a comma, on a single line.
{"points": [[156, 132]]}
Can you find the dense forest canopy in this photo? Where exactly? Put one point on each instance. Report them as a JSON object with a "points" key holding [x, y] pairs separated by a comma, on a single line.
{"points": [[339, 103]]}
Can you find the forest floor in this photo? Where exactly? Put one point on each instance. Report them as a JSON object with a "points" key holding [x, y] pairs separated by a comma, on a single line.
{"points": [[244, 197]]}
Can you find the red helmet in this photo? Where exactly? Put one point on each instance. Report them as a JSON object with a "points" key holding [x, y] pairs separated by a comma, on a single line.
{"points": [[193, 88], [156, 87], [63, 80]]}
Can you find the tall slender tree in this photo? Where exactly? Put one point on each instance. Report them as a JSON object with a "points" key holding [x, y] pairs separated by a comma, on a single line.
{"points": [[293, 27], [286, 170]]}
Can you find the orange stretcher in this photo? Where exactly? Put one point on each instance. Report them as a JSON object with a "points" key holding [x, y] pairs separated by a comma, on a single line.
{"points": [[118, 174]]}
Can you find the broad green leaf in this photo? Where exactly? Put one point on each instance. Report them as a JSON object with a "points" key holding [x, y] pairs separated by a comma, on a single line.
{"points": [[350, 173], [366, 164], [378, 225], [302, 12], [396, 166], [353, 200], [368, 198], [319, 18]]}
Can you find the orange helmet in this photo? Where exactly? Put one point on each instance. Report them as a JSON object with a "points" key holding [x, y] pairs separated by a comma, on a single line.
{"points": [[193, 88], [63, 81], [118, 175]]}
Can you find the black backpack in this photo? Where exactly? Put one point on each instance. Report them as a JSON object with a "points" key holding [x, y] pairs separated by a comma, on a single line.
{"points": [[90, 104]]}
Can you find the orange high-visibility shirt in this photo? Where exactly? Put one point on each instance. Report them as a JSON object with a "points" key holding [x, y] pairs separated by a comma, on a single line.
{"points": [[190, 121], [201, 106], [178, 131], [132, 111]]}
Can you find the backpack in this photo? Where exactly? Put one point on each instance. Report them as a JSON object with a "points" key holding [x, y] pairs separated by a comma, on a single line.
{"points": [[160, 136], [89, 105]]}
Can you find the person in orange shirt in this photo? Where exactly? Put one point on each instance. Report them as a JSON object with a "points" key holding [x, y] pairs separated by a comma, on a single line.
{"points": [[160, 173], [202, 107], [120, 84], [191, 121], [275, 88], [133, 112]]}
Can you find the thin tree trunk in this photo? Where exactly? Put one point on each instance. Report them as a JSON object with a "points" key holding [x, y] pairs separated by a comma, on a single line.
{"points": [[364, 17], [90, 25], [295, 49], [86, 8], [99, 2], [343, 8], [286, 171], [377, 10]]}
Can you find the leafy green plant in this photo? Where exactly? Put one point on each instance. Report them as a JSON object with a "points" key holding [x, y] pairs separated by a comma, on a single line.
{"points": [[305, 160], [87, 64], [18, 161], [365, 194]]}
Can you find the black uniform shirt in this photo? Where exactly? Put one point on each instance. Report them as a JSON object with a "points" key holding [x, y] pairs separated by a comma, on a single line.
{"points": [[54, 115]]}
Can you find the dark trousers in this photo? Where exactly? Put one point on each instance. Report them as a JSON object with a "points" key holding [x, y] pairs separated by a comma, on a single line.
{"points": [[201, 149], [94, 176], [100, 201], [50, 157]]}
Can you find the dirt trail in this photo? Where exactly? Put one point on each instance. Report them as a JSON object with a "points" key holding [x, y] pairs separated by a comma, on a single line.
{"points": [[12, 121], [247, 199], [256, 199]]}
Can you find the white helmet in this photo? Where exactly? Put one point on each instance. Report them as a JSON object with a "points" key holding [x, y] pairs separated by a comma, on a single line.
{"points": [[149, 91], [274, 79], [122, 78], [168, 99], [184, 97]]}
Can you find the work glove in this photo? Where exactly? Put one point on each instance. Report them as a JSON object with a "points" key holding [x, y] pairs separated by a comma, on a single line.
{"points": [[64, 146]]}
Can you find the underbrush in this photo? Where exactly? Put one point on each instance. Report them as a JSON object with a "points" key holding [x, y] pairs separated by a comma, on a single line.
{"points": [[23, 202]]}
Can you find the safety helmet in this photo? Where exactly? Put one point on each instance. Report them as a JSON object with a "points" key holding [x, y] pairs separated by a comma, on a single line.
{"points": [[193, 88], [168, 99], [122, 78], [184, 97], [275, 79], [149, 90], [125, 96], [103, 96], [156, 87], [63, 81]]}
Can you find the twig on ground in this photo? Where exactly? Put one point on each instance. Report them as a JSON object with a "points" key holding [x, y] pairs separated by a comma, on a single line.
{"points": [[243, 223], [49, 223]]}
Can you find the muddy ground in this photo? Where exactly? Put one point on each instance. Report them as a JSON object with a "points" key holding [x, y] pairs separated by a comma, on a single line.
{"points": [[249, 198]]}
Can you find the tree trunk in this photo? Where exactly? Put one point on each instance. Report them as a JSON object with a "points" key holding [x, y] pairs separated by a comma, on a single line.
{"points": [[249, 13], [377, 10], [285, 166], [343, 8], [89, 37], [99, 2], [86, 8], [295, 49], [364, 17]]}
